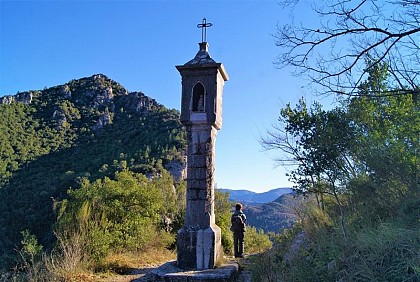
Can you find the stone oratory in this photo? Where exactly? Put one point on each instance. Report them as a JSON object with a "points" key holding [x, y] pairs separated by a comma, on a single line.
{"points": [[199, 240]]}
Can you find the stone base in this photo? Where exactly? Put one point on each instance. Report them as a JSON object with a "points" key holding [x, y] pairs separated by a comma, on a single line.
{"points": [[170, 272], [198, 249]]}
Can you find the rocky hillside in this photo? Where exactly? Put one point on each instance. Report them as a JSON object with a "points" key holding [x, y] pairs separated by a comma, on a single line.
{"points": [[252, 198], [89, 128], [273, 216], [93, 99], [270, 211]]}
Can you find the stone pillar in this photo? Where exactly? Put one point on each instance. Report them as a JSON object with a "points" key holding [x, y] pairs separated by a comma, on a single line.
{"points": [[199, 240]]}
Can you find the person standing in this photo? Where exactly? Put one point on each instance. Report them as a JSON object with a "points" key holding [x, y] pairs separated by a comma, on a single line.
{"points": [[238, 227]]}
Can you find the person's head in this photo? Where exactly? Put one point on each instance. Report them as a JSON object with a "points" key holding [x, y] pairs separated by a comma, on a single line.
{"points": [[238, 207]]}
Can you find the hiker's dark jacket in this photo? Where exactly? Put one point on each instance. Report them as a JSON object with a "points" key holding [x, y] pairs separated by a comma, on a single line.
{"points": [[242, 215]]}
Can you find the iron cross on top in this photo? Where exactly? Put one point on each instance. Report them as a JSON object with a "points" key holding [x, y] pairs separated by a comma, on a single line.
{"points": [[203, 27]]}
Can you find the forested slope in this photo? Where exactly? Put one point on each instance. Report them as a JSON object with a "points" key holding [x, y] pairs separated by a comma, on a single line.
{"points": [[60, 137], [274, 216]]}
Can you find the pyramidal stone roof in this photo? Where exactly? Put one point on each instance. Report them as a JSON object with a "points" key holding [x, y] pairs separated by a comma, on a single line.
{"points": [[202, 57]]}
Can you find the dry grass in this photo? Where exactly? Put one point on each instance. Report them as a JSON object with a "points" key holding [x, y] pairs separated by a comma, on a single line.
{"points": [[221, 259], [151, 257], [128, 266]]}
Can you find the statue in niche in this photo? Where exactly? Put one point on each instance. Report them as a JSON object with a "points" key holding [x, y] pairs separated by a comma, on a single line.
{"points": [[200, 106], [198, 98]]}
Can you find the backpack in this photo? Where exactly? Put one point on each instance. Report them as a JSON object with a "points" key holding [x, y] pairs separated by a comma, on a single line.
{"points": [[238, 224]]}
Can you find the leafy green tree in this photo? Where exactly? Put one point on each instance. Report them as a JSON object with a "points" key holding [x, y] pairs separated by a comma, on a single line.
{"points": [[120, 214], [388, 139], [223, 208], [31, 250], [257, 241], [378, 190], [319, 143]]}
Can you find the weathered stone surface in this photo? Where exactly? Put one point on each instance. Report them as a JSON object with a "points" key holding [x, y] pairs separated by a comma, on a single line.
{"points": [[196, 184], [60, 118], [139, 102], [197, 161], [21, 97], [202, 247], [213, 76], [170, 272], [197, 194], [197, 213], [24, 97], [103, 120], [177, 169], [102, 98], [195, 173], [65, 92], [7, 100], [187, 240], [199, 240]]}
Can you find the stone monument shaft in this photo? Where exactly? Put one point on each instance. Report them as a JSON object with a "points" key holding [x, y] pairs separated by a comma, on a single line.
{"points": [[199, 240]]}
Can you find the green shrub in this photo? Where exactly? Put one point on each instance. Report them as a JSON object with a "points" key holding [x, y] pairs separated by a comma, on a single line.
{"points": [[118, 214], [384, 252], [31, 250], [265, 268], [223, 213], [388, 253], [256, 241]]}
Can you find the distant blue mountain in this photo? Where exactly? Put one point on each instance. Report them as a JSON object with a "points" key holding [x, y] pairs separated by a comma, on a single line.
{"points": [[253, 198]]}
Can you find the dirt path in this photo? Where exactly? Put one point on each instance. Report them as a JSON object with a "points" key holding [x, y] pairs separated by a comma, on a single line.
{"points": [[245, 273], [143, 274], [136, 275]]}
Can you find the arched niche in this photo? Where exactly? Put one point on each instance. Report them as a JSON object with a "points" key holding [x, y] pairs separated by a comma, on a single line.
{"points": [[198, 98]]}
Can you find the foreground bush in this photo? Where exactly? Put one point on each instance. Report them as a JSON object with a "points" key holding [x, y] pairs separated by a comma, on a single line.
{"points": [[124, 213], [388, 251]]}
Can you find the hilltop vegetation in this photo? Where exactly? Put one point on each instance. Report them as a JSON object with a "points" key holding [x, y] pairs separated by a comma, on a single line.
{"points": [[88, 133], [92, 180], [358, 165]]}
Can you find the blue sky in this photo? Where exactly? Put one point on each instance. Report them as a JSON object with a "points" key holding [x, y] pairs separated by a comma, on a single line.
{"points": [[139, 43]]}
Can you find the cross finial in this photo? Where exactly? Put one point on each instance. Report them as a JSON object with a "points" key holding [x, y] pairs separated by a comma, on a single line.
{"points": [[203, 27]]}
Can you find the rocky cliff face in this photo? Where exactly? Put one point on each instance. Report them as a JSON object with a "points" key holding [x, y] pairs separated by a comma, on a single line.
{"points": [[21, 97], [90, 104], [177, 169], [97, 92]]}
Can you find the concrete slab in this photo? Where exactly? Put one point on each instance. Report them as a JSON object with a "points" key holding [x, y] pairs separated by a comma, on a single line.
{"points": [[169, 272]]}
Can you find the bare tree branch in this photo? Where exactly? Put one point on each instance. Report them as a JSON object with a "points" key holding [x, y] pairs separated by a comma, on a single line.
{"points": [[388, 31]]}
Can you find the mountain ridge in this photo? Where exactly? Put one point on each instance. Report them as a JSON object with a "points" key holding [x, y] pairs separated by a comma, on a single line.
{"points": [[251, 198], [270, 211], [273, 216]]}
